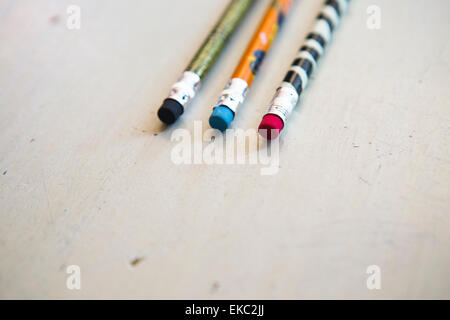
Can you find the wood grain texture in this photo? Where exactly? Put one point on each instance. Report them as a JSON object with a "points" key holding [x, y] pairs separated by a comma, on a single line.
{"points": [[86, 176]]}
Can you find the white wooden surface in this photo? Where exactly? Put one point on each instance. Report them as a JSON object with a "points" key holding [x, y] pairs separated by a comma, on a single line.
{"points": [[364, 177]]}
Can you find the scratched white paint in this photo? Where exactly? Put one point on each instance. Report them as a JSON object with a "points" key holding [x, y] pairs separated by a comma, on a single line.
{"points": [[364, 177]]}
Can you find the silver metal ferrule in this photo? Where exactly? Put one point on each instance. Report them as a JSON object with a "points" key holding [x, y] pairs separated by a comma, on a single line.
{"points": [[233, 94], [283, 103], [185, 88]]}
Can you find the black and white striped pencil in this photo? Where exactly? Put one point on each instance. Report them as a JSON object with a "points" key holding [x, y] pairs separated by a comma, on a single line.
{"points": [[296, 79]]}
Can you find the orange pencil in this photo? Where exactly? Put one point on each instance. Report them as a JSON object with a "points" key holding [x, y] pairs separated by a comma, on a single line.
{"points": [[244, 74]]}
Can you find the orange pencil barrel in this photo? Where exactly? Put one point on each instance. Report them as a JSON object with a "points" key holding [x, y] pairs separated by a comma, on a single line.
{"points": [[235, 91], [262, 40]]}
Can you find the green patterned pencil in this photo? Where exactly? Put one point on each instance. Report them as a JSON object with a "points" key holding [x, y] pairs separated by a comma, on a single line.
{"points": [[186, 86]]}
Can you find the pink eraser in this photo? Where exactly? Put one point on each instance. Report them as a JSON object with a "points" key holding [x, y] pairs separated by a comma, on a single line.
{"points": [[270, 126]]}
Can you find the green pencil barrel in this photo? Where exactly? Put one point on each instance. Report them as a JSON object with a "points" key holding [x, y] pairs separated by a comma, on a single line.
{"points": [[185, 88], [213, 45]]}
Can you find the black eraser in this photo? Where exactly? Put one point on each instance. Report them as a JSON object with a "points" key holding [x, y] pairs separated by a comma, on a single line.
{"points": [[170, 111]]}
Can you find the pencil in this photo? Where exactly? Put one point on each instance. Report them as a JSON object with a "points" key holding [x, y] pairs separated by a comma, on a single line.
{"points": [[185, 88], [234, 93], [296, 79]]}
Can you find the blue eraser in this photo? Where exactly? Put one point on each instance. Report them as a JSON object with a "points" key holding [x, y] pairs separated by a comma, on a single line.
{"points": [[221, 118]]}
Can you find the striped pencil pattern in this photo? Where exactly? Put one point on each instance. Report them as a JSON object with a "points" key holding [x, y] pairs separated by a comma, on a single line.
{"points": [[296, 79]]}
